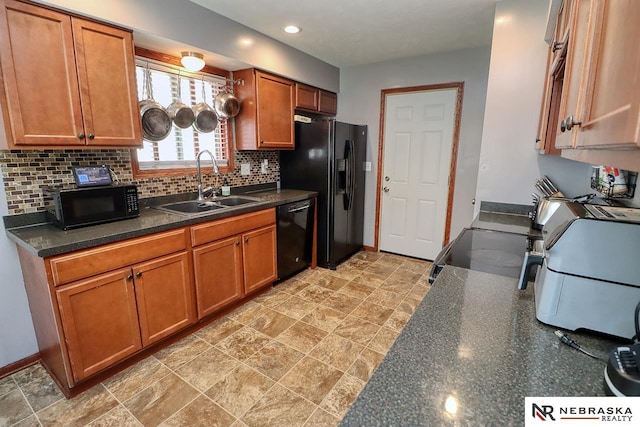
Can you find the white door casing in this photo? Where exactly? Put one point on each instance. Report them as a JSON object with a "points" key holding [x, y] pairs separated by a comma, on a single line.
{"points": [[418, 140]]}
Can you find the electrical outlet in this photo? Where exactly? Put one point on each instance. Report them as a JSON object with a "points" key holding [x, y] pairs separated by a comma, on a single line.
{"points": [[245, 168], [264, 166]]}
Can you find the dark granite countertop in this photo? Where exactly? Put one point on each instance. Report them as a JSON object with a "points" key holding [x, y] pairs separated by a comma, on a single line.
{"points": [[474, 340], [47, 240], [505, 217]]}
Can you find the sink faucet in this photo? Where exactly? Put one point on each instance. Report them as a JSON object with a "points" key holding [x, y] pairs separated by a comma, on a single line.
{"points": [[199, 174]]}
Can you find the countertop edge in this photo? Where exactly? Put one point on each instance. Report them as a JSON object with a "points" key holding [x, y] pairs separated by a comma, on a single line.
{"points": [[173, 221]]}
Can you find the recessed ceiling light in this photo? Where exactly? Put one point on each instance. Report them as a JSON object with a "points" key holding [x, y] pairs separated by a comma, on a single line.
{"points": [[292, 29]]}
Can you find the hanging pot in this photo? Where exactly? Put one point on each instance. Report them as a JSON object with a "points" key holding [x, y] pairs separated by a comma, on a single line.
{"points": [[181, 114], [156, 123], [226, 105], [206, 119]]}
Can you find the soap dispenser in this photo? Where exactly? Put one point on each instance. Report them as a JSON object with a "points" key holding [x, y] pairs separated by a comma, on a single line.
{"points": [[226, 190]]}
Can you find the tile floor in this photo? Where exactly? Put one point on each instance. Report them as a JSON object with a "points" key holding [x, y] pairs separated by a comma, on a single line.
{"points": [[296, 356]]}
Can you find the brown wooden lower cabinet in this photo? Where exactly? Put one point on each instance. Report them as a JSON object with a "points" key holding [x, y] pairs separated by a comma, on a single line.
{"points": [[229, 268], [165, 296], [100, 321], [259, 258], [218, 274], [123, 297]]}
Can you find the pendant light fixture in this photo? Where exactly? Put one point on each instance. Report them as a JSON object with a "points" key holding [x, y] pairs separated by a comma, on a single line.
{"points": [[192, 61]]}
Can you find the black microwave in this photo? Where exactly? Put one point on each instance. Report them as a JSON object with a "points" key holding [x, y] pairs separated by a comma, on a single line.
{"points": [[70, 208]]}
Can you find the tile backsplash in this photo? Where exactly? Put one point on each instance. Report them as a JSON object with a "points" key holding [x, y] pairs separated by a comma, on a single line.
{"points": [[25, 173]]}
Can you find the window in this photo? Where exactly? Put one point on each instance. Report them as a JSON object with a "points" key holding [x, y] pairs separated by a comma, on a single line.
{"points": [[176, 154]]}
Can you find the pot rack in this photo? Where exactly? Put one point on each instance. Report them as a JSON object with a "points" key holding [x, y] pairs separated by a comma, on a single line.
{"points": [[179, 71]]}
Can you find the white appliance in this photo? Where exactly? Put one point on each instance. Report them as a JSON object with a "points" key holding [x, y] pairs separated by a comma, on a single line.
{"points": [[589, 276]]}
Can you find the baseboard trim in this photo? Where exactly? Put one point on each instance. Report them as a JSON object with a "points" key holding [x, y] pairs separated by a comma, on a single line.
{"points": [[370, 249], [11, 368]]}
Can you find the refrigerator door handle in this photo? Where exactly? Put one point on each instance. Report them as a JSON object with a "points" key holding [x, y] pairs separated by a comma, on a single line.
{"points": [[348, 157], [353, 173]]}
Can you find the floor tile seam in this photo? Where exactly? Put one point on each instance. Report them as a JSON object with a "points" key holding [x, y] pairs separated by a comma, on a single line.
{"points": [[206, 397], [119, 404], [335, 414], [257, 401], [27, 402], [296, 393], [171, 371], [192, 358]]}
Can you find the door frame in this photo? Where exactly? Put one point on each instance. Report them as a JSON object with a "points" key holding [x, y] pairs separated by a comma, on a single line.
{"points": [[459, 86]]}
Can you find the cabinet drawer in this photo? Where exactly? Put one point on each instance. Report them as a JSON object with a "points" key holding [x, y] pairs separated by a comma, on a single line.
{"points": [[220, 229], [78, 265]]}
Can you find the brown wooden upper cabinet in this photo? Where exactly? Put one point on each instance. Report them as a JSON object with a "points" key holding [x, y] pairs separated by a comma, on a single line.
{"points": [[265, 121], [591, 106], [309, 98], [73, 86]]}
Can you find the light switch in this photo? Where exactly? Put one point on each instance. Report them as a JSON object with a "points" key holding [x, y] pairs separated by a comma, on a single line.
{"points": [[245, 168], [367, 166]]}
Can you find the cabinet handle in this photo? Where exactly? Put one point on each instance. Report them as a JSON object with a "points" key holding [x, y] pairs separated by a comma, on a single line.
{"points": [[81, 136], [130, 277], [91, 136], [557, 46], [246, 240], [139, 274], [571, 122]]}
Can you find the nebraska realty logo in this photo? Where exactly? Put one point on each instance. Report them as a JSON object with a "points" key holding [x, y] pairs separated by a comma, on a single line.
{"points": [[586, 410]]}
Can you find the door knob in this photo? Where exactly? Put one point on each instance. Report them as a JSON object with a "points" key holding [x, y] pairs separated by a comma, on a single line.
{"points": [[386, 189], [386, 178]]}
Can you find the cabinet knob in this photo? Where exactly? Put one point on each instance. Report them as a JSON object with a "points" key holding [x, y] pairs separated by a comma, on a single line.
{"points": [[246, 240], [557, 46], [91, 136], [81, 135], [139, 274], [238, 243], [261, 142], [570, 122], [130, 277]]}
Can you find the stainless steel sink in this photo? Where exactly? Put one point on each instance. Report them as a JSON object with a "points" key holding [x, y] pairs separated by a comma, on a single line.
{"points": [[190, 208], [197, 208], [234, 200]]}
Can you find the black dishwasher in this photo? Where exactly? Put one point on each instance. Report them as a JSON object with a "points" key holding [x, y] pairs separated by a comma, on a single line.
{"points": [[295, 237]]}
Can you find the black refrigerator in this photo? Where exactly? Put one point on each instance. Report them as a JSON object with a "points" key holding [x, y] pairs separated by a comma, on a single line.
{"points": [[330, 158]]}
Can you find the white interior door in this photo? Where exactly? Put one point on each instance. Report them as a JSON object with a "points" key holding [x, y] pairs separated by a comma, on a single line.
{"points": [[418, 139]]}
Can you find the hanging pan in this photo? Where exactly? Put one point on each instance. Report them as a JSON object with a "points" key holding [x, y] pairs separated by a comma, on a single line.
{"points": [[226, 104], [181, 114], [206, 119], [156, 123]]}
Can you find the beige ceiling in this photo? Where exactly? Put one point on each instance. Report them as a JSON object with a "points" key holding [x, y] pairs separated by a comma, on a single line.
{"points": [[353, 32]]}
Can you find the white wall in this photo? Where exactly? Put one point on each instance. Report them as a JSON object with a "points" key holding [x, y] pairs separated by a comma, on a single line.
{"points": [[17, 338], [359, 102], [509, 163]]}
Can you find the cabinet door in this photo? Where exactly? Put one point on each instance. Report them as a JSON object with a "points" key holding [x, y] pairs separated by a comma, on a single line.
{"points": [[99, 321], [611, 110], [39, 72], [164, 291], [306, 97], [106, 72], [218, 274], [571, 74], [275, 100], [259, 257], [328, 102]]}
